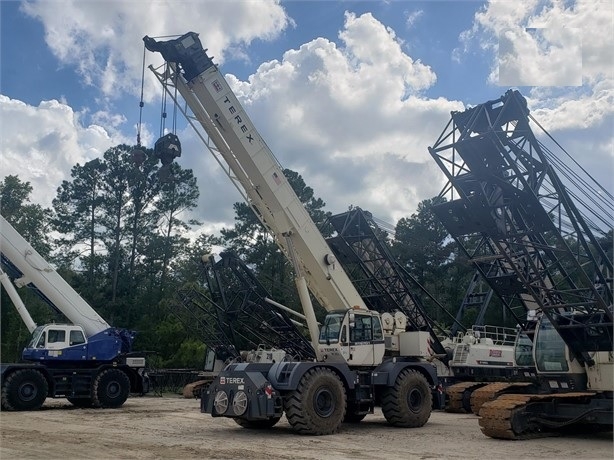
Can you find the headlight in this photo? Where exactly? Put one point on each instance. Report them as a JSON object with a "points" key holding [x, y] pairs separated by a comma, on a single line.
{"points": [[239, 403], [220, 402]]}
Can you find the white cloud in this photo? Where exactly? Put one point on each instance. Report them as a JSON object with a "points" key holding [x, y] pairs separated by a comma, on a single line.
{"points": [[101, 38], [352, 119], [579, 117], [540, 57], [350, 115], [564, 26], [51, 143], [412, 18]]}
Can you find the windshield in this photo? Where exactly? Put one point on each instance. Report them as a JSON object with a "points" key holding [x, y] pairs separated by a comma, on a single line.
{"points": [[332, 327], [36, 336], [524, 350], [549, 349]]}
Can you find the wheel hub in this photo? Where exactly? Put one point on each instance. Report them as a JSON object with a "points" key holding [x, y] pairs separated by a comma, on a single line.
{"points": [[415, 400], [324, 402], [27, 391], [113, 389]]}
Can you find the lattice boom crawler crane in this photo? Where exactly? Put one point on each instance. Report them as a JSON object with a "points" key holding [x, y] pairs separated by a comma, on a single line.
{"points": [[534, 238], [87, 362], [354, 370]]}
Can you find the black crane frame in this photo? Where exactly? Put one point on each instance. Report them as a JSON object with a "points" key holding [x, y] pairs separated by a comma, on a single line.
{"points": [[232, 313], [513, 217]]}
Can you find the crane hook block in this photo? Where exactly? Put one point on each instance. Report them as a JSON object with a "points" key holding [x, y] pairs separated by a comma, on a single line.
{"points": [[167, 148]]}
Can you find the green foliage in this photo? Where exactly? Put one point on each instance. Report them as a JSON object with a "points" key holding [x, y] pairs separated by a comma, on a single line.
{"points": [[190, 355], [30, 220], [423, 247], [121, 244]]}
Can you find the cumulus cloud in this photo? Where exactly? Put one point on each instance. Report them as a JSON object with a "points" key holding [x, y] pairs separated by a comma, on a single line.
{"points": [[351, 115], [352, 118], [544, 41], [540, 57], [53, 142], [93, 35]]}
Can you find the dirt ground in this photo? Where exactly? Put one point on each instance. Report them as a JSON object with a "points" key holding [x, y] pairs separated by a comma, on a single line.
{"points": [[173, 428]]}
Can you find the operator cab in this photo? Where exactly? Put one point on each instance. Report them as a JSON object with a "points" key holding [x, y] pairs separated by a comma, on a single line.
{"points": [[355, 336], [554, 359], [57, 336], [550, 350]]}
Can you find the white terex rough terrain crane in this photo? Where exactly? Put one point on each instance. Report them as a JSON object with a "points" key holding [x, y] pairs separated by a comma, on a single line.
{"points": [[88, 362], [363, 359]]}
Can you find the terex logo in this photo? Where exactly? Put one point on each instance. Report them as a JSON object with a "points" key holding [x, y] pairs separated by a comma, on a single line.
{"points": [[232, 380]]}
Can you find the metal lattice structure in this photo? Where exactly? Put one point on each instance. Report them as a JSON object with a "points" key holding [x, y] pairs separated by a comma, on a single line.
{"points": [[530, 235], [385, 286], [477, 297], [233, 314]]}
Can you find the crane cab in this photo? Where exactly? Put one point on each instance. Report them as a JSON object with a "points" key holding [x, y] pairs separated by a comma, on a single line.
{"points": [[57, 342], [564, 370], [57, 336], [68, 342], [354, 336]]}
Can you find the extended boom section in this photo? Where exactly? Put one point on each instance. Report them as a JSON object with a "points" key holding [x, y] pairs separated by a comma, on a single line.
{"points": [[253, 167], [35, 270]]}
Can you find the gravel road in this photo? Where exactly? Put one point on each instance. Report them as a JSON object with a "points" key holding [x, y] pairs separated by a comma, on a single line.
{"points": [[173, 428]]}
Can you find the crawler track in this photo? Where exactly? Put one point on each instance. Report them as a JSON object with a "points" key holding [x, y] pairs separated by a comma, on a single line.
{"points": [[501, 418], [492, 391], [458, 400]]}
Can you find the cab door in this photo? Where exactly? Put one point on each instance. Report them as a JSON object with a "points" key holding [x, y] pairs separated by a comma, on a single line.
{"points": [[361, 340]]}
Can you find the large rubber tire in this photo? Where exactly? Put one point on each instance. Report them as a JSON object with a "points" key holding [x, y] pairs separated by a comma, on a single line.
{"points": [[81, 402], [25, 389], [408, 403], [317, 406], [111, 389], [257, 424]]}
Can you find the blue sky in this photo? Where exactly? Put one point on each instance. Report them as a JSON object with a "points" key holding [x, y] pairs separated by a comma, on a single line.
{"points": [[348, 93]]}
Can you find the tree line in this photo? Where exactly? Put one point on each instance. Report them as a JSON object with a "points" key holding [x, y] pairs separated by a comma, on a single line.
{"points": [[116, 232]]}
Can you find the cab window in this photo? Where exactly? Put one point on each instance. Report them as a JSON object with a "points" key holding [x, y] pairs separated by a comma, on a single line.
{"points": [[76, 338], [41, 341], [362, 330], [378, 333], [55, 336], [550, 349], [332, 328]]}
